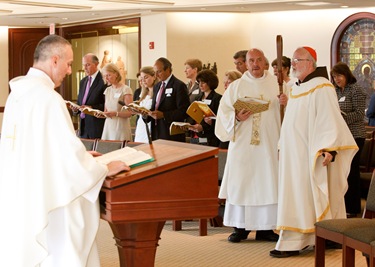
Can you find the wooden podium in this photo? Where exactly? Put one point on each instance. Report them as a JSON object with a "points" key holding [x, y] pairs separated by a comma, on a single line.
{"points": [[182, 183]]}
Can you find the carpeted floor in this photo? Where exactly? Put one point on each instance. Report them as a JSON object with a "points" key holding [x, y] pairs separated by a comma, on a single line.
{"points": [[187, 249]]}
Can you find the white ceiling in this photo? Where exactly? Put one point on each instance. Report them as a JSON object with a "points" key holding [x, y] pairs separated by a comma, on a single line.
{"points": [[35, 13]]}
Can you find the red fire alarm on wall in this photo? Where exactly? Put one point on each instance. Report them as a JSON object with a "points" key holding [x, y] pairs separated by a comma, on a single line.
{"points": [[151, 45]]}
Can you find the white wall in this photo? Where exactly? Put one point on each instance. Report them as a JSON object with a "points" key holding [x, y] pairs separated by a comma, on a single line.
{"points": [[210, 37], [153, 29]]}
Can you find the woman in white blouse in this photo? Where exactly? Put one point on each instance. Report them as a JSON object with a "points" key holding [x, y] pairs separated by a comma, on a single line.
{"points": [[148, 79], [117, 123]]}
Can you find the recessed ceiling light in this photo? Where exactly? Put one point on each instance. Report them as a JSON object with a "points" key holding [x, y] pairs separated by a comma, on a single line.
{"points": [[313, 3]]}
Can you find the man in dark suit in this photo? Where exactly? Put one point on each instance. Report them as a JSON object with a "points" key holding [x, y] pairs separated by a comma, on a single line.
{"points": [[90, 126], [169, 103]]}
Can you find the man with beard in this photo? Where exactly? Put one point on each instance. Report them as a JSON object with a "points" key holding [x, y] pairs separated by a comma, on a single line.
{"points": [[315, 152]]}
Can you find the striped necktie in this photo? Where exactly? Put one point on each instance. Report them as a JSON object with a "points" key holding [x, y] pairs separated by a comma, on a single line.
{"points": [[82, 115]]}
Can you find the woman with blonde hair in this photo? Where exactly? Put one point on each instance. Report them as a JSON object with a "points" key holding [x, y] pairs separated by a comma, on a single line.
{"points": [[148, 80], [117, 123], [230, 76]]}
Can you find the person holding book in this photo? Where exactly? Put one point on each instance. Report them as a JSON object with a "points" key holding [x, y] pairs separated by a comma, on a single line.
{"points": [[149, 79], [91, 89], [117, 124], [169, 102], [203, 132], [250, 178], [49, 182]]}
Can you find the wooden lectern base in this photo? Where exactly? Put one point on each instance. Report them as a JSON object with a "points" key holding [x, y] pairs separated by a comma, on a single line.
{"points": [[137, 242], [180, 184]]}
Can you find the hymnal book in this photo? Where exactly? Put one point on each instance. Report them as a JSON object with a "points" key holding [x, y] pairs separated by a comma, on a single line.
{"points": [[179, 127], [128, 155], [137, 109], [71, 104], [94, 112], [198, 110], [255, 105], [90, 111]]}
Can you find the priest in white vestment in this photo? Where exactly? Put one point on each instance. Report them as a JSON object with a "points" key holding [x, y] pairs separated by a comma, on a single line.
{"points": [[316, 150], [250, 177], [49, 183]]}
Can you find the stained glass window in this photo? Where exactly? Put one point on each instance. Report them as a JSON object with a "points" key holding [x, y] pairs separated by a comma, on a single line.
{"points": [[357, 49]]}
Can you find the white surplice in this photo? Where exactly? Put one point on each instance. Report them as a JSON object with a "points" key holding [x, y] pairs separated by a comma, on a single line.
{"points": [[49, 183], [309, 192], [249, 183]]}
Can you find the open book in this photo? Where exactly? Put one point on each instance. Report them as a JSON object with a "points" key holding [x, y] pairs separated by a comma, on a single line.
{"points": [[198, 110], [71, 104], [255, 105], [94, 112], [137, 109], [90, 111], [129, 155], [178, 127]]}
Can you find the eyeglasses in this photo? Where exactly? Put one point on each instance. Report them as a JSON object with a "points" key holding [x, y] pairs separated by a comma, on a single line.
{"points": [[296, 60]]}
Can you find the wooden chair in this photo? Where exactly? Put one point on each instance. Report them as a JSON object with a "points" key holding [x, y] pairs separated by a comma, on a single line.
{"points": [[362, 239], [218, 220], [341, 231], [89, 143], [366, 154], [105, 146], [367, 158]]}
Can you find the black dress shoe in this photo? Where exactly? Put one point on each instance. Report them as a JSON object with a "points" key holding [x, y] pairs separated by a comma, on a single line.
{"points": [[238, 235], [283, 254], [266, 235]]}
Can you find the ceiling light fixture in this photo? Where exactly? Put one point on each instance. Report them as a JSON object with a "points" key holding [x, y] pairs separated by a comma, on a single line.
{"points": [[313, 3], [138, 2], [41, 4]]}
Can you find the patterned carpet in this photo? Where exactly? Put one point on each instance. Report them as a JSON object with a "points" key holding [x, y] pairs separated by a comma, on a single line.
{"points": [[187, 249]]}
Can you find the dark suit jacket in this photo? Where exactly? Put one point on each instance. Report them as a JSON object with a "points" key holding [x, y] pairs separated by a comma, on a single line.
{"points": [[209, 130], [137, 94], [173, 105], [92, 127]]}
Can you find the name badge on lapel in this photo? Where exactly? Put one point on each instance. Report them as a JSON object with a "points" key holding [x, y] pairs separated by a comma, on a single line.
{"points": [[168, 91], [207, 101]]}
